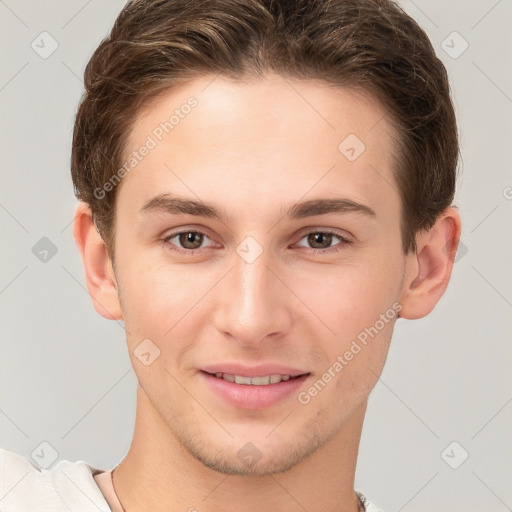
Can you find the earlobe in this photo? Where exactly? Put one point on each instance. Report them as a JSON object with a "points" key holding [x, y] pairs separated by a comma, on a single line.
{"points": [[430, 268], [99, 272]]}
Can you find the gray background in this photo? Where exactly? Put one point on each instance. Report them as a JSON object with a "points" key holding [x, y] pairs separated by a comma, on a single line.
{"points": [[66, 378]]}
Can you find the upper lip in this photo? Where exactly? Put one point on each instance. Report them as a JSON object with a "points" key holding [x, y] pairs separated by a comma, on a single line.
{"points": [[261, 370]]}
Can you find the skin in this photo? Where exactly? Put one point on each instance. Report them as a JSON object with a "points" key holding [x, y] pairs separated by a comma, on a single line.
{"points": [[252, 149]]}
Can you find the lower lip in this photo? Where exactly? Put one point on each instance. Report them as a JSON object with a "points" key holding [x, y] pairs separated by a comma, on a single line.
{"points": [[253, 397]]}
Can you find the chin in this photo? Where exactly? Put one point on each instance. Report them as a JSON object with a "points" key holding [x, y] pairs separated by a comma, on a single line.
{"points": [[259, 454], [258, 464]]}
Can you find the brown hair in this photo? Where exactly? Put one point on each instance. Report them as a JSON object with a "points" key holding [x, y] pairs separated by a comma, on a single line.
{"points": [[368, 44]]}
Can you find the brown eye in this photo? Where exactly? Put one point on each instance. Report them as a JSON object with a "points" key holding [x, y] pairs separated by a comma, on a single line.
{"points": [[320, 240], [324, 241], [190, 239], [186, 242]]}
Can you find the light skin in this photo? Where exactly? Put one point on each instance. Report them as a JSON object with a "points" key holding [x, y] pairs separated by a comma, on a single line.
{"points": [[252, 150]]}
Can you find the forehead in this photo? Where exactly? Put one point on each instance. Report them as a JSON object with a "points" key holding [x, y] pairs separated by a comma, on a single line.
{"points": [[238, 142]]}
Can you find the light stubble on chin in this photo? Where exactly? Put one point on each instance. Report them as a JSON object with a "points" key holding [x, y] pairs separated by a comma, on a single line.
{"points": [[314, 434]]}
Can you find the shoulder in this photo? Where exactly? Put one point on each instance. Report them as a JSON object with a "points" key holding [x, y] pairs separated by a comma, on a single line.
{"points": [[368, 505], [67, 486]]}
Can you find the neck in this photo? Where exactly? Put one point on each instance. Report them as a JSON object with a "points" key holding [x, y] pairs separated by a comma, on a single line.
{"points": [[158, 472]]}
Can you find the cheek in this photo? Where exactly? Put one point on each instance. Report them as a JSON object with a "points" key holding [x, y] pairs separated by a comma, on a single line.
{"points": [[359, 304], [151, 300], [160, 302], [158, 306], [350, 298], [356, 356]]}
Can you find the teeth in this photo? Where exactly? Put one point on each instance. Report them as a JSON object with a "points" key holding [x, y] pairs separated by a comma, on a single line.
{"points": [[242, 380], [253, 381], [259, 381]]}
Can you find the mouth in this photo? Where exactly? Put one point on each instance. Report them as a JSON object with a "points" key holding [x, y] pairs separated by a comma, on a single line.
{"points": [[253, 392], [255, 381]]}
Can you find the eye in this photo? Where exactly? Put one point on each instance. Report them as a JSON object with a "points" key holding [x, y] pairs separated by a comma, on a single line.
{"points": [[320, 241], [189, 241]]}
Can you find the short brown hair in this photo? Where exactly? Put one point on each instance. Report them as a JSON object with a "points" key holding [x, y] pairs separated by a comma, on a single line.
{"points": [[371, 45]]}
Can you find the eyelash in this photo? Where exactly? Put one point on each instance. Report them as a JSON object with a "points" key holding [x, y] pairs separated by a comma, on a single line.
{"points": [[338, 247]]}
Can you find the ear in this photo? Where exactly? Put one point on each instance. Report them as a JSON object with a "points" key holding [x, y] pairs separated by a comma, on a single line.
{"points": [[430, 267], [99, 272]]}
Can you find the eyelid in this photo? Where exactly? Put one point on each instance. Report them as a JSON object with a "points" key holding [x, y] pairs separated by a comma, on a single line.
{"points": [[187, 229], [345, 235], [337, 247], [166, 238]]}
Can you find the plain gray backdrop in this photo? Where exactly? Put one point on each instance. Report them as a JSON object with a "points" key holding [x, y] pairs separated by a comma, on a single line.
{"points": [[437, 432]]}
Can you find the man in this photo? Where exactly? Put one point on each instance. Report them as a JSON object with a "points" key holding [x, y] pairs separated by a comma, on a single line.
{"points": [[265, 187]]}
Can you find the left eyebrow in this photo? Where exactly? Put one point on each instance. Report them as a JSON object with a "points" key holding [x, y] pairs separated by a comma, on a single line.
{"points": [[323, 206], [165, 203]]}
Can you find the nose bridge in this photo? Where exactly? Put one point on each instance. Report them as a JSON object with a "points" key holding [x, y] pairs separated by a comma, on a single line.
{"points": [[254, 300]]}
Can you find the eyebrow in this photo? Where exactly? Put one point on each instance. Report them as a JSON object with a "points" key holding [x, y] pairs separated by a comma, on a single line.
{"points": [[165, 203]]}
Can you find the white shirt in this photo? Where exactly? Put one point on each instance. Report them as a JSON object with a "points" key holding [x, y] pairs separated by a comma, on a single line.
{"points": [[66, 487]]}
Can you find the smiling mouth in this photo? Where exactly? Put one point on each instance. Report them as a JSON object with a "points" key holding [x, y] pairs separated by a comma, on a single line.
{"points": [[255, 381]]}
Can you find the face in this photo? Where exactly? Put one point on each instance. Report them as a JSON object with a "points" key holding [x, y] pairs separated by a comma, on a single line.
{"points": [[295, 267]]}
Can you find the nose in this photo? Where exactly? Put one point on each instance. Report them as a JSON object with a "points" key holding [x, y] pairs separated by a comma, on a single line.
{"points": [[253, 302]]}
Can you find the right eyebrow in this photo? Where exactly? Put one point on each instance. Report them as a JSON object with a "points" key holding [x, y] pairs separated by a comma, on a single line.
{"points": [[165, 203]]}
